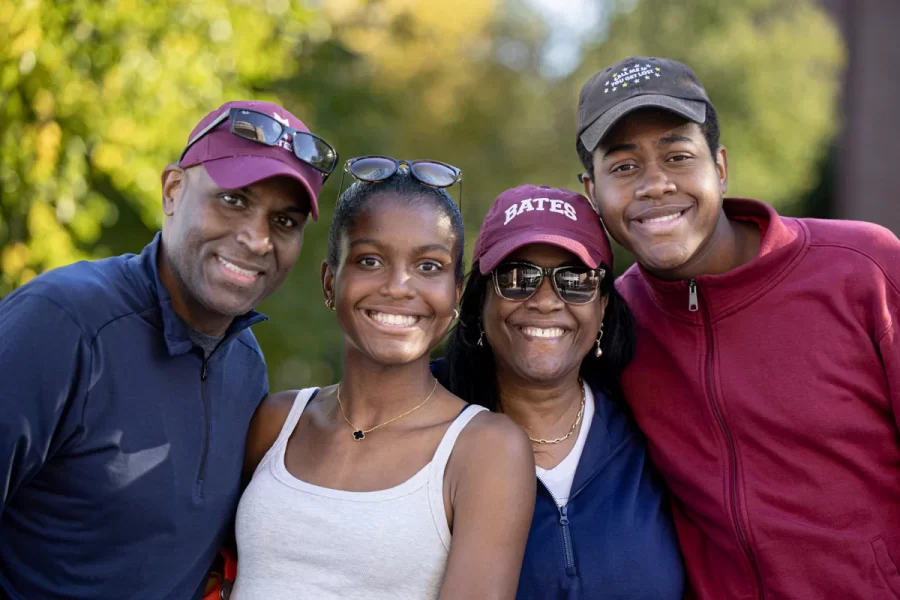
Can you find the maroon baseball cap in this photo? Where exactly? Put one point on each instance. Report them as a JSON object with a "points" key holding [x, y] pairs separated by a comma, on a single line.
{"points": [[541, 215], [234, 162]]}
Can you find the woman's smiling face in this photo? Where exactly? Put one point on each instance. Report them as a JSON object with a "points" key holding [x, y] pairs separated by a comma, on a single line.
{"points": [[395, 286], [541, 339]]}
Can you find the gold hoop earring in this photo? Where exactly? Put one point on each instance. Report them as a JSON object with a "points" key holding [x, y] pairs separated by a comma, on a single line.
{"points": [[330, 304], [455, 313]]}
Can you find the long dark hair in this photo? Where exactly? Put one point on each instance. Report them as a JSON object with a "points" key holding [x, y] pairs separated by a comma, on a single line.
{"points": [[470, 371]]}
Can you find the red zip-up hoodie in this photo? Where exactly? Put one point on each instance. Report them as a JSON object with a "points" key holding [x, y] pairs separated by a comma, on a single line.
{"points": [[771, 399]]}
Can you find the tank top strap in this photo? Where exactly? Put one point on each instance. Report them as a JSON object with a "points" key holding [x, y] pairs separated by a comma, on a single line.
{"points": [[439, 466], [300, 401]]}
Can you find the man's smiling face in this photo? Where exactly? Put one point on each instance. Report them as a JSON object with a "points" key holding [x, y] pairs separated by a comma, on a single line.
{"points": [[659, 189], [226, 250]]}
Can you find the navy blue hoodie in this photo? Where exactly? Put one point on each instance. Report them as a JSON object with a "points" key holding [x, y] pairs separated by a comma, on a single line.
{"points": [[120, 446]]}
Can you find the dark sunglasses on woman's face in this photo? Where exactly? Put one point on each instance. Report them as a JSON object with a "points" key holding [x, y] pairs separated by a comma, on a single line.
{"points": [[432, 173], [518, 281], [266, 129]]}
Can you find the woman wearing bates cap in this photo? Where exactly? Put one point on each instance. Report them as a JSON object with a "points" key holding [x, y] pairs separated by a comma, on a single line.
{"points": [[543, 337]]}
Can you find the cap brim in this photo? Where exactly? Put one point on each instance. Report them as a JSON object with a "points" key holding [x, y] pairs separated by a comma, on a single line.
{"points": [[692, 110], [235, 172], [493, 257]]}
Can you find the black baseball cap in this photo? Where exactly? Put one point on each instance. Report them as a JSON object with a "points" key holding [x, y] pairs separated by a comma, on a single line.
{"points": [[633, 83]]}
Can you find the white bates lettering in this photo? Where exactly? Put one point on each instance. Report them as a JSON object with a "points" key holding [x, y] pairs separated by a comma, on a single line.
{"points": [[540, 204]]}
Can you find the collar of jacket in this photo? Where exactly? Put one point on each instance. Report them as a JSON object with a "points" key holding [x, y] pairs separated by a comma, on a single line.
{"points": [[597, 446], [783, 244], [176, 334]]}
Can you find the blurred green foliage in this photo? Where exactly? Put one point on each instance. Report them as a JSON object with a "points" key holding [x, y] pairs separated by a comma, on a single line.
{"points": [[769, 66], [96, 97]]}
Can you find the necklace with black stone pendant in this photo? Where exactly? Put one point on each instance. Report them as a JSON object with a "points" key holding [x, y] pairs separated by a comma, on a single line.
{"points": [[359, 434]]}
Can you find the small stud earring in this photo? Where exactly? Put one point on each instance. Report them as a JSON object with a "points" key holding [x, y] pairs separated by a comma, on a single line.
{"points": [[598, 352]]}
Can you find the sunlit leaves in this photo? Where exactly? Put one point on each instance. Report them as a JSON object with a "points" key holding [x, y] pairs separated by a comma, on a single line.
{"points": [[96, 97], [110, 90]]}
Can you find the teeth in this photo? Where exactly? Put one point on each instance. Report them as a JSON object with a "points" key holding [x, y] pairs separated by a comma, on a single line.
{"points": [[671, 217], [553, 332], [389, 319], [236, 269]]}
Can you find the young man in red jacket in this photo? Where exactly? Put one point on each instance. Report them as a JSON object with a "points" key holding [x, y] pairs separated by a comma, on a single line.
{"points": [[767, 374]]}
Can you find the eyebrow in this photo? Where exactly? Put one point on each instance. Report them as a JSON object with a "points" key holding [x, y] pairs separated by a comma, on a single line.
{"points": [[295, 207], [620, 148], [666, 141], [431, 248], [417, 250], [674, 139], [366, 242]]}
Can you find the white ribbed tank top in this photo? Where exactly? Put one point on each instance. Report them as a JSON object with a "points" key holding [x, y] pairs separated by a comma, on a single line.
{"points": [[298, 540]]}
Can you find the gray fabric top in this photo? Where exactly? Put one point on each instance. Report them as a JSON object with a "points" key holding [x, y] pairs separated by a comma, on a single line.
{"points": [[207, 343]]}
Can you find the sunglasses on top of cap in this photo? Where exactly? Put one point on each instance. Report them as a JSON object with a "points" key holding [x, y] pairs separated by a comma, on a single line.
{"points": [[433, 173], [265, 129], [519, 281]]}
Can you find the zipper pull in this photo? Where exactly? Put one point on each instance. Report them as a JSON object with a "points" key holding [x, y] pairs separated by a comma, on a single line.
{"points": [[693, 305], [564, 515], [203, 371]]}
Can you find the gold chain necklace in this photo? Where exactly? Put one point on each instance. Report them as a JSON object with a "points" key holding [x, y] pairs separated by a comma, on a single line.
{"points": [[574, 425], [360, 434]]}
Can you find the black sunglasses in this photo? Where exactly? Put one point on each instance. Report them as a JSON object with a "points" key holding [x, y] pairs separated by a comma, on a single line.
{"points": [[432, 173], [267, 129], [518, 281]]}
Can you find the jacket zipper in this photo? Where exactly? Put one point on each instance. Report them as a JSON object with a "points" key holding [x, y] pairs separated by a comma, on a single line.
{"points": [[201, 473], [568, 548], [567, 540], [204, 374], [693, 305]]}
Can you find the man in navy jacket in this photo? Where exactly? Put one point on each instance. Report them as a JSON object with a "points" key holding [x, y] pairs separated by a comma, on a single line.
{"points": [[127, 384]]}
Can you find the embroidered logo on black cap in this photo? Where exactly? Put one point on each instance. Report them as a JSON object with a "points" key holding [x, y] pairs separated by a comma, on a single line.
{"points": [[630, 77]]}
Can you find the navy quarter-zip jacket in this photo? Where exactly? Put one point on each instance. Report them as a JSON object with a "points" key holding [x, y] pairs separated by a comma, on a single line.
{"points": [[120, 446], [614, 539]]}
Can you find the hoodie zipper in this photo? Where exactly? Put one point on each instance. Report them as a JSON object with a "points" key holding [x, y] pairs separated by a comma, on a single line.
{"points": [[568, 547], [693, 306]]}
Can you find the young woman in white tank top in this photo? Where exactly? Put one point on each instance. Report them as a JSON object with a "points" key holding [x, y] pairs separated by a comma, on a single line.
{"points": [[386, 486]]}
